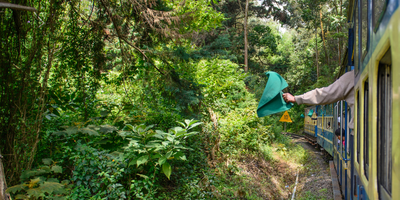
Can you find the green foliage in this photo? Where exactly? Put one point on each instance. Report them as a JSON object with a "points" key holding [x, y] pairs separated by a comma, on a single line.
{"points": [[97, 174], [222, 89], [76, 73], [154, 148], [41, 183]]}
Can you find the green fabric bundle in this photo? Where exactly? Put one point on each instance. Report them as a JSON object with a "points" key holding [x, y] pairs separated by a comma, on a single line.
{"points": [[271, 100]]}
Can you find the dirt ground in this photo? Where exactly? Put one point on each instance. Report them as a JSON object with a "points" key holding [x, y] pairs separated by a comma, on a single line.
{"points": [[275, 179], [315, 179]]}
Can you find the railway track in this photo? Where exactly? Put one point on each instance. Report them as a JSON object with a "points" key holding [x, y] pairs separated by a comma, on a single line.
{"points": [[308, 138]]}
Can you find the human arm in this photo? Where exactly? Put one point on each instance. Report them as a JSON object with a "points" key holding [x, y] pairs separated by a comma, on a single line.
{"points": [[338, 90]]}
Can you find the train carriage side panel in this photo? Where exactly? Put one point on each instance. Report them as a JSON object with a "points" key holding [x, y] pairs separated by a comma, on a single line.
{"points": [[377, 150]]}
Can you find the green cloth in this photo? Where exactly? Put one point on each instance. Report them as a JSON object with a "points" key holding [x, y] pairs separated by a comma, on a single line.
{"points": [[302, 116], [310, 113], [271, 100]]}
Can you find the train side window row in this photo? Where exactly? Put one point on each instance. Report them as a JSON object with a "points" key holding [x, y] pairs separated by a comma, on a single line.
{"points": [[384, 126], [361, 24]]}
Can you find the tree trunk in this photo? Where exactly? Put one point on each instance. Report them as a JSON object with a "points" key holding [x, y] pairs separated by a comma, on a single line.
{"points": [[3, 183], [339, 50], [316, 50], [246, 64], [340, 30], [323, 36]]}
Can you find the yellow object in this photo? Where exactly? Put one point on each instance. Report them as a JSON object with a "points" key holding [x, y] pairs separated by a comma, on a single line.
{"points": [[285, 117]]}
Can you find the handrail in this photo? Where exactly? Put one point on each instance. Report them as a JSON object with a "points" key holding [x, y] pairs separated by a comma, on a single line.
{"points": [[340, 153]]}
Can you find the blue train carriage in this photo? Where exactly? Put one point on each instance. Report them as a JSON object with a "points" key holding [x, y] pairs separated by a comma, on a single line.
{"points": [[325, 127], [342, 146], [310, 121], [374, 53]]}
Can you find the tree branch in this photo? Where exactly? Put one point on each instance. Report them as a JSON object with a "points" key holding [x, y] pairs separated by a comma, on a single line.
{"points": [[17, 7], [124, 39]]}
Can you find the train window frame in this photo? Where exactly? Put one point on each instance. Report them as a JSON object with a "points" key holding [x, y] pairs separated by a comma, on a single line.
{"points": [[367, 21], [358, 126], [384, 102], [366, 129], [376, 23]]}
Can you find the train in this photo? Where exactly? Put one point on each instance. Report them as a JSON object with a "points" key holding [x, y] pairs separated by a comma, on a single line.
{"points": [[366, 158]]}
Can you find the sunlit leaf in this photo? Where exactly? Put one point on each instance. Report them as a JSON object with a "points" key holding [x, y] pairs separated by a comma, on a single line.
{"points": [[167, 169], [194, 125], [162, 160], [33, 182], [143, 176], [180, 155], [142, 160], [129, 126], [20, 196]]}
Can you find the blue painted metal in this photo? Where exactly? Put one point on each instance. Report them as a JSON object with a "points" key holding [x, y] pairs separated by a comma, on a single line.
{"points": [[352, 166], [316, 131]]}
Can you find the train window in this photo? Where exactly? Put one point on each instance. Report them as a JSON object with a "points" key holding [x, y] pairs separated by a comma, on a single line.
{"points": [[355, 47], [328, 123], [319, 122], [364, 28], [384, 126], [358, 126], [366, 131], [379, 7]]}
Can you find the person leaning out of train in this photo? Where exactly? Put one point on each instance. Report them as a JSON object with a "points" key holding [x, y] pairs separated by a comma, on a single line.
{"points": [[341, 89], [337, 133]]}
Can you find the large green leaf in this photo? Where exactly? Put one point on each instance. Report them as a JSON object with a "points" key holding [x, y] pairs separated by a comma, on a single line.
{"points": [[56, 169], [162, 160], [167, 169], [52, 187], [88, 131], [14, 189], [35, 192], [180, 155], [47, 161], [142, 160], [129, 126], [194, 125], [107, 129]]}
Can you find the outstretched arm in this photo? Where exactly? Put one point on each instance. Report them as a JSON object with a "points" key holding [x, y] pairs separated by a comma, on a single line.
{"points": [[339, 90]]}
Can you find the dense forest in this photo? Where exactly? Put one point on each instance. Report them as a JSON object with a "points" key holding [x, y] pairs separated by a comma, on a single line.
{"points": [[154, 99]]}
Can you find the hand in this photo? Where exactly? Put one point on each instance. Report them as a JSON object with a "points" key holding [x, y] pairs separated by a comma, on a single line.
{"points": [[288, 98]]}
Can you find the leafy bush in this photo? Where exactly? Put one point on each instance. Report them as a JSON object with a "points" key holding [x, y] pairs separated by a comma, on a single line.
{"points": [[155, 147], [41, 183], [103, 162]]}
